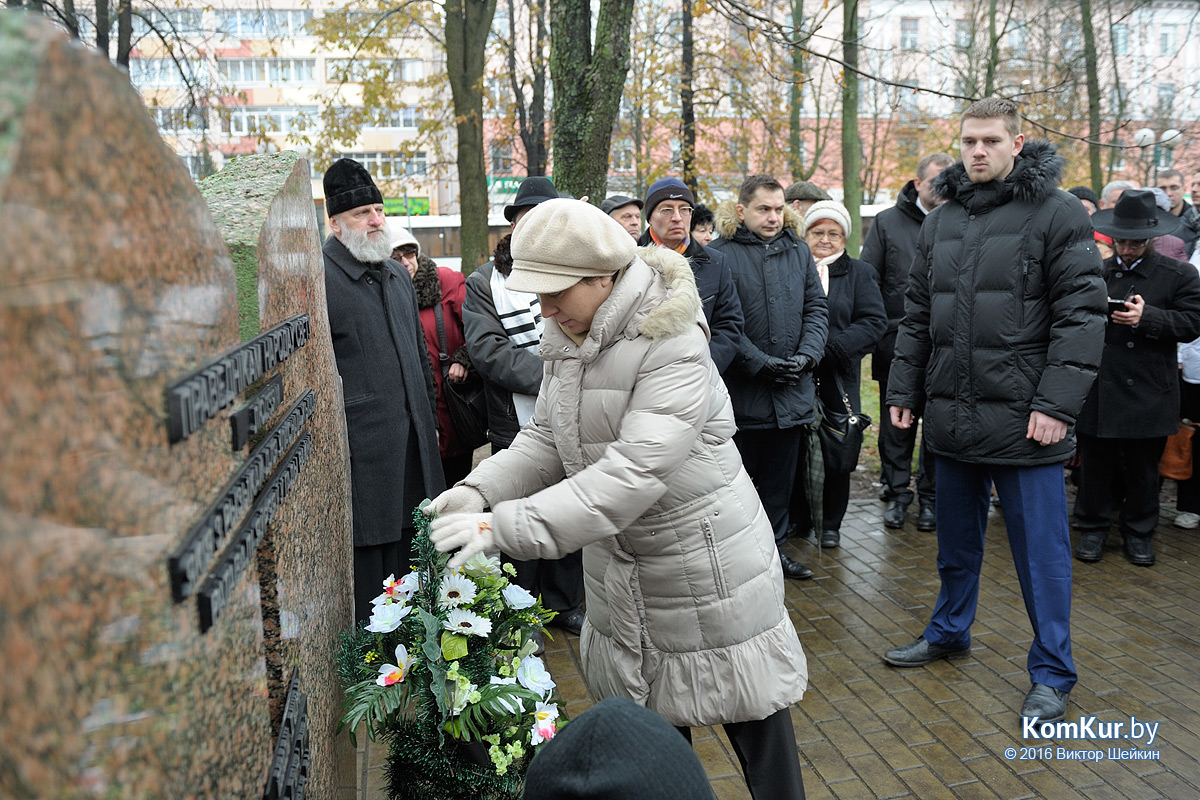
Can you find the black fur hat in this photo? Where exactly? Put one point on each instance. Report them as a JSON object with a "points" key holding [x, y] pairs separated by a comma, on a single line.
{"points": [[348, 185]]}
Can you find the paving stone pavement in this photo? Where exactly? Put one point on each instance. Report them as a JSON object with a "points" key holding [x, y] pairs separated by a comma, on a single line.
{"points": [[951, 729]]}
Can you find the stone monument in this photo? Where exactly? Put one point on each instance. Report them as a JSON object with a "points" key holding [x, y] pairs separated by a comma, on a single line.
{"points": [[174, 513]]}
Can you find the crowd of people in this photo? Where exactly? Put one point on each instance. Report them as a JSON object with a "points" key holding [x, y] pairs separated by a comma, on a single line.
{"points": [[655, 371]]}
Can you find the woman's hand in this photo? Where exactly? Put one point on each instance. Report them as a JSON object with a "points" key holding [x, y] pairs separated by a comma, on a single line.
{"points": [[459, 500], [470, 533], [458, 372]]}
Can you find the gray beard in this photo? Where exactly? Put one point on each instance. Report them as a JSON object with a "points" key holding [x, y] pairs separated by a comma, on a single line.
{"points": [[364, 248]]}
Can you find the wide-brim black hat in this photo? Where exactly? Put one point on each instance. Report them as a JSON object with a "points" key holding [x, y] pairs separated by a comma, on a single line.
{"points": [[1135, 216], [531, 192]]}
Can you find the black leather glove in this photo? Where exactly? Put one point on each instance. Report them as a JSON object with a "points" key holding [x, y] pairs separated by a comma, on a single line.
{"points": [[803, 364], [780, 370]]}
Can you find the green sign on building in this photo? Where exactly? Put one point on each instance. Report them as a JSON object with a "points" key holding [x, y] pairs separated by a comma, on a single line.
{"points": [[395, 206]]}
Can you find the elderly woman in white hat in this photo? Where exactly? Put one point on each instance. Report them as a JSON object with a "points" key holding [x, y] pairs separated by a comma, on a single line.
{"points": [[630, 457], [857, 321]]}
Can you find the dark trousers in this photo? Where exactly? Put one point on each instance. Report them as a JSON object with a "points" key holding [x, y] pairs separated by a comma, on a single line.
{"points": [[767, 751], [835, 498], [1189, 408], [372, 564], [455, 468], [895, 456], [1034, 502], [770, 456], [1114, 468]]}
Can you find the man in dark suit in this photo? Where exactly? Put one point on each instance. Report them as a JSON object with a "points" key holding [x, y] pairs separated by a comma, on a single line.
{"points": [[387, 381]]}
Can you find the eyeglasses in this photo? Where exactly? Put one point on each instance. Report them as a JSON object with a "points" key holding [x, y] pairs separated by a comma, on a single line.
{"points": [[666, 212], [833, 236], [1133, 244]]}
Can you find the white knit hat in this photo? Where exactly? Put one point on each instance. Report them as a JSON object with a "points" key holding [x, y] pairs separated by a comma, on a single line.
{"points": [[400, 234], [560, 242], [828, 209]]}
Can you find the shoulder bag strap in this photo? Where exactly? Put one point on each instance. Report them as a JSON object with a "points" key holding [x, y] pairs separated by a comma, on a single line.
{"points": [[443, 358]]}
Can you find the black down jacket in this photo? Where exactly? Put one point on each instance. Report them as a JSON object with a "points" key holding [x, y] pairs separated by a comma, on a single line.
{"points": [[1004, 314], [889, 247], [785, 314], [1136, 395]]}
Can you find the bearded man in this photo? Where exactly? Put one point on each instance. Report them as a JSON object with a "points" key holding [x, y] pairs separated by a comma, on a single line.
{"points": [[387, 380]]}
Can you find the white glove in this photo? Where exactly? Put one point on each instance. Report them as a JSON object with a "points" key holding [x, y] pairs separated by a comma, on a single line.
{"points": [[470, 532], [459, 500]]}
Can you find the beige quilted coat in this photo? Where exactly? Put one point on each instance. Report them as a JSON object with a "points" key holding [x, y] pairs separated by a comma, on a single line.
{"points": [[630, 456]]}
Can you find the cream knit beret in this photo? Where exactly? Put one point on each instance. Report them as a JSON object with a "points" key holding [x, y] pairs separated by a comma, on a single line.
{"points": [[828, 209], [560, 242]]}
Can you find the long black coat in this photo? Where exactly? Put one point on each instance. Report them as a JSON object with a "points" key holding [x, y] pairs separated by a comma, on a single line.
{"points": [[785, 313], [718, 296], [856, 321], [890, 247], [389, 395], [1004, 314], [1136, 395]]}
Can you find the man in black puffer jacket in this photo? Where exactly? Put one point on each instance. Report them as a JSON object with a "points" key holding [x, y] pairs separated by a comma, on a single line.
{"points": [[1001, 339]]}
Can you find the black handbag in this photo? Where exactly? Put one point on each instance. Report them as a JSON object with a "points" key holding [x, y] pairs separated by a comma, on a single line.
{"points": [[841, 432], [467, 399]]}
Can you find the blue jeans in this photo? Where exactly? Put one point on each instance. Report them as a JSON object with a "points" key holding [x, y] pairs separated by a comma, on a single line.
{"points": [[1034, 502]]}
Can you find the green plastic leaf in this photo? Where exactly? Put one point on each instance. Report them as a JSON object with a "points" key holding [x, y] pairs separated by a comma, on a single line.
{"points": [[454, 646]]}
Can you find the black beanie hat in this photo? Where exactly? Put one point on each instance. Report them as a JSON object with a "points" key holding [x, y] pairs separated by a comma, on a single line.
{"points": [[348, 185], [617, 750]]}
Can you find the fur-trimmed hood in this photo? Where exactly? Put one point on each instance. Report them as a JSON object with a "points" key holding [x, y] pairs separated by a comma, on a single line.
{"points": [[427, 283], [681, 308], [727, 222], [1035, 176]]}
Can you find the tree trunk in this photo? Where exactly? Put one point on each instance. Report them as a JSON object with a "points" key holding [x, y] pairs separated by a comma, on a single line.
{"points": [[531, 120], [851, 181], [1093, 93], [467, 25], [102, 24], [687, 144], [796, 96], [124, 32], [993, 53], [587, 90], [70, 18]]}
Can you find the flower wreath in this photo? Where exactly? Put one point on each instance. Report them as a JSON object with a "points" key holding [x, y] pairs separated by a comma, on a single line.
{"points": [[445, 671]]}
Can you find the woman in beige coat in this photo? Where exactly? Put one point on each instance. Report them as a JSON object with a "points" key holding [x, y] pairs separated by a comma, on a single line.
{"points": [[630, 456]]}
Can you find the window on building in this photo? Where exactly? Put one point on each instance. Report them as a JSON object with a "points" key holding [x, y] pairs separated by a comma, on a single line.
{"points": [[411, 70], [501, 159], [391, 166], [358, 70], [271, 23], [1166, 40], [1166, 97], [199, 165], [164, 72], [168, 22], [249, 71], [1120, 37], [251, 120], [1016, 41], [622, 156], [964, 34], [909, 33], [179, 120]]}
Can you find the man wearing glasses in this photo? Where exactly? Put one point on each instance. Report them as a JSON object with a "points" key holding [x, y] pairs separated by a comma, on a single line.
{"points": [[669, 204], [770, 381]]}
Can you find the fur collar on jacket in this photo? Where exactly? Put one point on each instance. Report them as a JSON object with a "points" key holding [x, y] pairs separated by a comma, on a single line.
{"points": [[427, 283], [727, 222], [1035, 175]]}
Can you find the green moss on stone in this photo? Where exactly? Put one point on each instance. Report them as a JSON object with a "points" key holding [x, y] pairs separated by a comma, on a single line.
{"points": [[23, 42], [245, 267]]}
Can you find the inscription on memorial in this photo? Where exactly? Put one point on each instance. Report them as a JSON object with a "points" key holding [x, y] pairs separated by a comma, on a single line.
{"points": [[200, 396], [289, 766], [250, 418], [193, 555], [214, 592]]}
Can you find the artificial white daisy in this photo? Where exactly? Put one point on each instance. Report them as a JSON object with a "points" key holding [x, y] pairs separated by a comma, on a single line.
{"points": [[386, 618], [457, 590], [466, 622], [533, 676]]}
